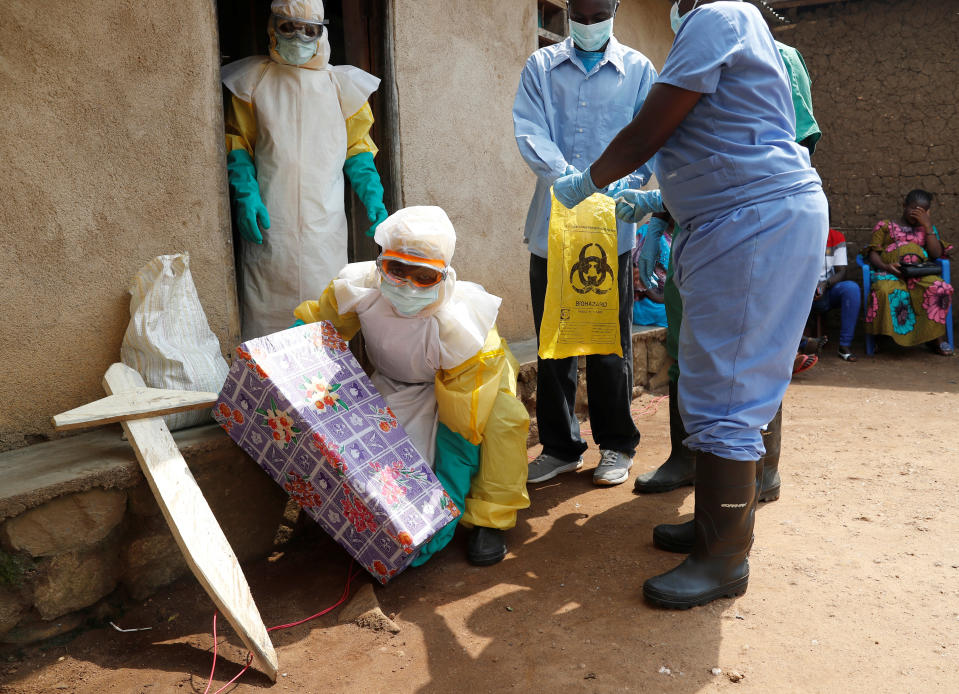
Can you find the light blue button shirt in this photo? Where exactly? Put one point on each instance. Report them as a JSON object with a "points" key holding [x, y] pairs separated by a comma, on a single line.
{"points": [[565, 115], [736, 146]]}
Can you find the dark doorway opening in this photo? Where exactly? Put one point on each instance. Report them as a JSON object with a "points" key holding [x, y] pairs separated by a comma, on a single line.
{"points": [[358, 33]]}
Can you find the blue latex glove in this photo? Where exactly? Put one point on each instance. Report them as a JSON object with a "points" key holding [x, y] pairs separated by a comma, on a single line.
{"points": [[365, 180], [250, 209], [633, 205], [574, 188], [297, 324], [457, 460], [646, 264], [615, 188]]}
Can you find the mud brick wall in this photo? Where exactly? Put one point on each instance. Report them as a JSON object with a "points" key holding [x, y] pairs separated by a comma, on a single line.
{"points": [[885, 93]]}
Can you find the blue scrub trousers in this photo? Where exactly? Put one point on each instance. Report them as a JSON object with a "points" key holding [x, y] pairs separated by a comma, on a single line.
{"points": [[846, 297], [745, 280]]}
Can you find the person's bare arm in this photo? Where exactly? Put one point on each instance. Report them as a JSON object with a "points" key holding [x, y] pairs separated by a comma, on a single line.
{"points": [[838, 276], [878, 263], [664, 109]]}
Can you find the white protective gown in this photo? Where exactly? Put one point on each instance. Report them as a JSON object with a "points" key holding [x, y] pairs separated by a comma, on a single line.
{"points": [[300, 149], [407, 352]]}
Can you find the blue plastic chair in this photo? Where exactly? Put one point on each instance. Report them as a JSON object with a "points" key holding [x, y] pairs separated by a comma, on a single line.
{"points": [[867, 282]]}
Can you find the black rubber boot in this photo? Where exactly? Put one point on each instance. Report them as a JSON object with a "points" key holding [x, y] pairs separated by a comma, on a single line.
{"points": [[675, 537], [772, 440], [717, 567], [486, 546], [679, 537], [679, 470]]}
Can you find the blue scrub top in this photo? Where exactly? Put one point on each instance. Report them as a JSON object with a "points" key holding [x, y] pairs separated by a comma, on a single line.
{"points": [[565, 115], [736, 146]]}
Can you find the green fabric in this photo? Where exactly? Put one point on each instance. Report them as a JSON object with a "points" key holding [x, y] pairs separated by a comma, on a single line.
{"points": [[674, 314], [245, 191], [298, 323], [457, 460], [365, 180], [807, 130]]}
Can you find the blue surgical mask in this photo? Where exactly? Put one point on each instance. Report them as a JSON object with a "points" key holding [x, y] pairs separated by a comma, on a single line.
{"points": [[591, 37], [294, 52], [407, 300], [675, 21]]}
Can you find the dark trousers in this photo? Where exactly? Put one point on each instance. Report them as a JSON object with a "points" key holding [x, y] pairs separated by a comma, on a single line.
{"points": [[609, 381]]}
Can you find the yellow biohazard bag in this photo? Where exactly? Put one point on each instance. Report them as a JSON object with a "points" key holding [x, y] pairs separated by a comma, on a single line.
{"points": [[581, 312]]}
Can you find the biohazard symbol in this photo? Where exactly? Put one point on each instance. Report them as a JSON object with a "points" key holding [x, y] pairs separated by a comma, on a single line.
{"points": [[591, 273]]}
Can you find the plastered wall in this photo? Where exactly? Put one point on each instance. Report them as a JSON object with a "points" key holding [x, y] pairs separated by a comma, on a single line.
{"points": [[457, 67], [886, 95], [111, 145]]}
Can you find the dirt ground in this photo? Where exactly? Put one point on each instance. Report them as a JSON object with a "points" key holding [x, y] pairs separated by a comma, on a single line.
{"points": [[854, 586]]}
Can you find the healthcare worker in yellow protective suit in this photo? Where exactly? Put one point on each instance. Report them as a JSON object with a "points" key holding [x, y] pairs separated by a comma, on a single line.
{"points": [[294, 124], [442, 367]]}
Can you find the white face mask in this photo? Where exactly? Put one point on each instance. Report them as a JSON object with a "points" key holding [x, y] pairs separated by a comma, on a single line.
{"points": [[295, 52], [591, 37], [409, 301]]}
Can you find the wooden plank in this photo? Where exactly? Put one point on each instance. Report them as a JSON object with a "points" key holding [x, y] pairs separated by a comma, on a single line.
{"points": [[193, 525], [139, 403]]}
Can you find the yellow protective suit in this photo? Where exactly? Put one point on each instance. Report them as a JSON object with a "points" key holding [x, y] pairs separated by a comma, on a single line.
{"points": [[476, 398]]}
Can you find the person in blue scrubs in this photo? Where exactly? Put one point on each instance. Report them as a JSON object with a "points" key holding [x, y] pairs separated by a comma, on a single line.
{"points": [[649, 306], [753, 224], [573, 98]]}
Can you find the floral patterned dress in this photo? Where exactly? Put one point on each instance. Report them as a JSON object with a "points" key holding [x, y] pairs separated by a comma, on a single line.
{"points": [[910, 311]]}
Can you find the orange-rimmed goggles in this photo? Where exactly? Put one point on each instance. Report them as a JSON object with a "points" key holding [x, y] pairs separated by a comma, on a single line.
{"points": [[401, 268]]}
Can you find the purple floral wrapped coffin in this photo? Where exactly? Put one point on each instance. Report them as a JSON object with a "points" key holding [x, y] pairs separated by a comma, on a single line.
{"points": [[299, 403]]}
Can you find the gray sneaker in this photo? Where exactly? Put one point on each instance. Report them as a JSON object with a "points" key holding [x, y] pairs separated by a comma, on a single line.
{"points": [[613, 468], [546, 467]]}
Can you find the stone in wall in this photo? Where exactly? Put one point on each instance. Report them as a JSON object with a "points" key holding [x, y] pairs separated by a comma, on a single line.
{"points": [[640, 361], [656, 356], [658, 362], [14, 603], [71, 522], [75, 580], [33, 628], [150, 560], [141, 502]]}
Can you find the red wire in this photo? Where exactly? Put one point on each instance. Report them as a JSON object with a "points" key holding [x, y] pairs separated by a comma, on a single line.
{"points": [[249, 656], [214, 655]]}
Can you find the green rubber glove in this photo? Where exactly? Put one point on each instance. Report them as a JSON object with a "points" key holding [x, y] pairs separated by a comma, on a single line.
{"points": [[246, 196], [365, 180], [457, 460], [297, 324]]}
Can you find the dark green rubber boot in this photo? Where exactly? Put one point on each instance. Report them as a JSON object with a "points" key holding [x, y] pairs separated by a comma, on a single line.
{"points": [[679, 470]]}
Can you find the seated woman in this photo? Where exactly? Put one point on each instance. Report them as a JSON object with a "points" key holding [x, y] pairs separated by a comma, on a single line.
{"points": [[911, 311], [648, 301]]}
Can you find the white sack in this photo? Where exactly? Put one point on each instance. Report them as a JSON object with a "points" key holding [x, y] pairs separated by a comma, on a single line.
{"points": [[169, 341]]}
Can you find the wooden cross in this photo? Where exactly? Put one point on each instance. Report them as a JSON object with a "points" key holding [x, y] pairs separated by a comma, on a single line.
{"points": [[191, 521]]}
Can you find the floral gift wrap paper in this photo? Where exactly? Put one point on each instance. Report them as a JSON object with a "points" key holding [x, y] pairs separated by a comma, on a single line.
{"points": [[299, 403]]}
